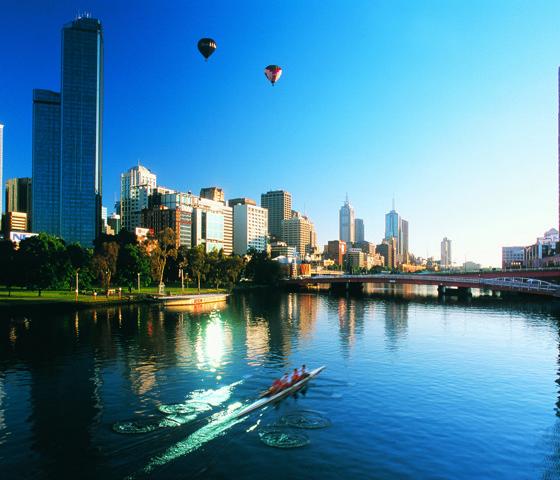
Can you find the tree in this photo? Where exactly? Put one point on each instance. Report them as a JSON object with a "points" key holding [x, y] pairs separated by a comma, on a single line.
{"points": [[45, 262], [194, 260], [9, 271], [131, 261], [160, 248], [262, 269], [80, 259], [104, 263]]}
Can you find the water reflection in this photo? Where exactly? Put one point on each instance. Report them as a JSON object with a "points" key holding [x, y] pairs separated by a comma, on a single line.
{"points": [[65, 378]]}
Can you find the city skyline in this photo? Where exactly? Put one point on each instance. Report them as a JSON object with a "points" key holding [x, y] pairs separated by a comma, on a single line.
{"points": [[456, 116]]}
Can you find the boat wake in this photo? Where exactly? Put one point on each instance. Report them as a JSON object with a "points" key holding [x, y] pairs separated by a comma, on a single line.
{"points": [[178, 414]]}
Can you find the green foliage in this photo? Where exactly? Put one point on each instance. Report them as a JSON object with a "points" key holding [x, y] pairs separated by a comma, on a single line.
{"points": [[81, 258], [10, 272], [195, 262], [160, 248], [45, 263], [131, 261], [262, 269], [222, 269], [104, 263]]}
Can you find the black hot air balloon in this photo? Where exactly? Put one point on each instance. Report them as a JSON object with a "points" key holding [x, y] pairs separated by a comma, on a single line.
{"points": [[206, 46]]}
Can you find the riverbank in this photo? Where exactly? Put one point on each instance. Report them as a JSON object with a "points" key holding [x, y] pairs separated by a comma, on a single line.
{"points": [[68, 300]]}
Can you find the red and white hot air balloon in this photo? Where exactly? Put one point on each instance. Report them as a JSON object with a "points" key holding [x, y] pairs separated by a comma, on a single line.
{"points": [[273, 73]]}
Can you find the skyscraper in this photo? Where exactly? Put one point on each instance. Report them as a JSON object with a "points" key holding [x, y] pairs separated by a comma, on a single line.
{"points": [[279, 205], [1, 163], [136, 187], [47, 196], [19, 198], [68, 140], [346, 223], [359, 230], [298, 232], [446, 253], [397, 228]]}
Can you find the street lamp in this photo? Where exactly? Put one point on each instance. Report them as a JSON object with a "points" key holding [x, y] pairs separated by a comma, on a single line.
{"points": [[138, 281], [76, 286]]}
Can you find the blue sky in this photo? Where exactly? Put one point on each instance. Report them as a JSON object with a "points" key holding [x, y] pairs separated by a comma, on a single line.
{"points": [[449, 107]]}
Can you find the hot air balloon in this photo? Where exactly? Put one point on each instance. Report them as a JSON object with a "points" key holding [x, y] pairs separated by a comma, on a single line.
{"points": [[273, 73], [206, 46]]}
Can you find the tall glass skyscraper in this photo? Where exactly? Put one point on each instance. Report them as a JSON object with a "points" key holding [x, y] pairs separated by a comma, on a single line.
{"points": [[1, 164], [68, 140], [396, 227], [47, 198], [346, 223]]}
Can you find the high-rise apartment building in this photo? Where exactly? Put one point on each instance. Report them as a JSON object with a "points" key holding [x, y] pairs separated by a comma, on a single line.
{"points": [[68, 140], [137, 185], [19, 198], [346, 223], [446, 259], [279, 205]]}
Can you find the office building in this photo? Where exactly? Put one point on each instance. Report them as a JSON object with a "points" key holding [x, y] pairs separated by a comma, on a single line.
{"points": [[212, 193], [298, 232], [346, 223], [159, 218], [336, 251], [1, 162], [114, 224], [404, 224], [397, 228], [19, 198], [446, 258], [137, 186], [281, 249], [365, 247], [68, 140], [279, 205], [359, 230], [199, 221], [250, 228], [47, 186], [513, 257], [388, 250]]}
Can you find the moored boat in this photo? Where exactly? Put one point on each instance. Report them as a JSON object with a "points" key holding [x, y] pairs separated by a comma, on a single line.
{"points": [[262, 402], [174, 300]]}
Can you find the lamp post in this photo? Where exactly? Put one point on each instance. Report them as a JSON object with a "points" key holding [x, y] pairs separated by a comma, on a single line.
{"points": [[76, 286], [138, 281]]}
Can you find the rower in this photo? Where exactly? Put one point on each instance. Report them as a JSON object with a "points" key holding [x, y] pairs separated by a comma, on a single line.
{"points": [[295, 377], [285, 380], [276, 386], [303, 371]]}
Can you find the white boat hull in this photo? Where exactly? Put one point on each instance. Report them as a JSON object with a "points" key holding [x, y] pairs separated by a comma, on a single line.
{"points": [[281, 395]]}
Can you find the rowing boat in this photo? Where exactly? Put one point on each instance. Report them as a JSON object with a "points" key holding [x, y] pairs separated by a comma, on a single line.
{"points": [[282, 394]]}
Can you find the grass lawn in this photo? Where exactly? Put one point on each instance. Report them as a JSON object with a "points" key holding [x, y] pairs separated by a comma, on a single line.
{"points": [[27, 297]]}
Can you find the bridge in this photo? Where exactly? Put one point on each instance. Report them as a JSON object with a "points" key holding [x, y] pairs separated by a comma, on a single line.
{"points": [[518, 281]]}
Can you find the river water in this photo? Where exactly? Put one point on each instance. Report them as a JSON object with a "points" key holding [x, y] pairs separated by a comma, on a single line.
{"points": [[414, 387]]}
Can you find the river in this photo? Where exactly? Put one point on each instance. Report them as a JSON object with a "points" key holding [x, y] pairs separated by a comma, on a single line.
{"points": [[415, 386]]}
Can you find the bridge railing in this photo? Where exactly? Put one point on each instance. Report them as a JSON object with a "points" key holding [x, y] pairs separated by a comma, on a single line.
{"points": [[508, 283]]}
